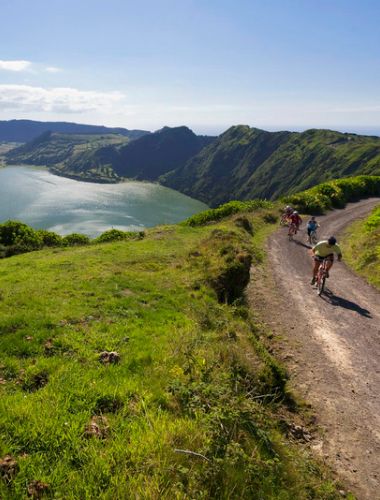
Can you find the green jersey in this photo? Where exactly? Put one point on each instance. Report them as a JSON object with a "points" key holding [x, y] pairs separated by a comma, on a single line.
{"points": [[323, 249]]}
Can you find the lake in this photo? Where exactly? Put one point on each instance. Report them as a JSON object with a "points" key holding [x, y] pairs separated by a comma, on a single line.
{"points": [[46, 201]]}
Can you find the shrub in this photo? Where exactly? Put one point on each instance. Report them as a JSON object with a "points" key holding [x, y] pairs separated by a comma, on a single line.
{"points": [[334, 194], [75, 239], [117, 235], [49, 239], [18, 234], [232, 207], [373, 221]]}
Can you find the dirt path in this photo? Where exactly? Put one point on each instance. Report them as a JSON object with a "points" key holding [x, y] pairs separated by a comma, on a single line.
{"points": [[332, 346]]}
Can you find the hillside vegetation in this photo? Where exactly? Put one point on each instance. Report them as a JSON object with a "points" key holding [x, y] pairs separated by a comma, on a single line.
{"points": [[65, 154], [334, 194], [133, 369], [111, 157], [246, 163], [241, 164], [362, 247], [158, 153]]}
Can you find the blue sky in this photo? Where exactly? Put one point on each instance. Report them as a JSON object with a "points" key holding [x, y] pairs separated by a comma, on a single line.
{"points": [[209, 64]]}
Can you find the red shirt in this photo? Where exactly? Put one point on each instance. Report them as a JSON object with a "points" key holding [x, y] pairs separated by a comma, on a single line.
{"points": [[296, 219]]}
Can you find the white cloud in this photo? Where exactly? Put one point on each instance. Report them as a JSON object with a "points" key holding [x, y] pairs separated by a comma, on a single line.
{"points": [[28, 98], [15, 65], [22, 65], [53, 69]]}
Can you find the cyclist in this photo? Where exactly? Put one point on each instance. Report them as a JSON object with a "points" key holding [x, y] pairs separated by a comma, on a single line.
{"points": [[325, 250], [288, 210], [296, 220], [312, 225]]}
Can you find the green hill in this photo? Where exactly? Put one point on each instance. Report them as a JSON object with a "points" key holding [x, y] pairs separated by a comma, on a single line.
{"points": [[67, 153], [109, 157], [137, 369], [155, 154], [191, 404], [245, 163]]}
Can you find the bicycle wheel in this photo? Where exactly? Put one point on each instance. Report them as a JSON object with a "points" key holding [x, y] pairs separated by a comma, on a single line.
{"points": [[291, 232], [321, 280], [313, 238], [321, 285]]}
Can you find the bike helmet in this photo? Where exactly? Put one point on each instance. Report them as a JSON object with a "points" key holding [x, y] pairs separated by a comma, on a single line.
{"points": [[295, 212], [331, 240]]}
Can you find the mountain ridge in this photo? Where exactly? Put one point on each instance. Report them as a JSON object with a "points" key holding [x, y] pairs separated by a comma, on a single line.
{"points": [[27, 130], [246, 163], [242, 163]]}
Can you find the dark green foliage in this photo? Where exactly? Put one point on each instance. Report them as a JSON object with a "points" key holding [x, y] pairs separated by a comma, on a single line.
{"points": [[15, 233], [49, 239], [156, 154], [117, 235], [334, 194], [75, 239], [245, 163], [17, 237], [226, 210]]}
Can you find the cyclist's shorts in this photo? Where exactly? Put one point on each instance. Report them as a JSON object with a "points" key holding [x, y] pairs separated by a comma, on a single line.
{"points": [[321, 259]]}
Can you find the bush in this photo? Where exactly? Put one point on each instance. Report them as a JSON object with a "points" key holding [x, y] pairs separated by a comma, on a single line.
{"points": [[373, 221], [15, 233], [117, 235], [334, 194], [75, 239], [232, 207], [49, 239]]}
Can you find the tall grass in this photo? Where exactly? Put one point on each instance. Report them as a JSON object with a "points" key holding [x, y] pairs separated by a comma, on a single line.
{"points": [[361, 246]]}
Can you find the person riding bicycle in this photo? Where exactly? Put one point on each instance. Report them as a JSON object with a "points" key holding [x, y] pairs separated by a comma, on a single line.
{"points": [[287, 212], [325, 250], [312, 225], [296, 220]]}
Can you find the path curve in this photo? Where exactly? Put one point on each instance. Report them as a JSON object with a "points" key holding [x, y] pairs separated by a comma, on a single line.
{"points": [[335, 350]]}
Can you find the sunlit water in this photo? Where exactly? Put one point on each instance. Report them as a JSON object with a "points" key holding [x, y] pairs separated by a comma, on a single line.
{"points": [[46, 201]]}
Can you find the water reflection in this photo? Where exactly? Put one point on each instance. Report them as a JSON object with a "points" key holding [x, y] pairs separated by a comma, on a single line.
{"points": [[63, 205]]}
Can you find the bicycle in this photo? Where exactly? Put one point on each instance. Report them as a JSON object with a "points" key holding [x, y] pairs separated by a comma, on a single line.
{"points": [[322, 276], [284, 220], [313, 239], [292, 231]]}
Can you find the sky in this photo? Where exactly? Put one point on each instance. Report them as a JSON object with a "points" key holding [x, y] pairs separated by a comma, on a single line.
{"points": [[207, 64]]}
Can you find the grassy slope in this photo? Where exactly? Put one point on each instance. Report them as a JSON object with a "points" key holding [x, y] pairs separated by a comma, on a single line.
{"points": [[193, 373], [362, 247]]}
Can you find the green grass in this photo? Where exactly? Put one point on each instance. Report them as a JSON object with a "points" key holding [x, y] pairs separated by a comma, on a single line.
{"points": [[362, 247], [334, 194], [193, 372]]}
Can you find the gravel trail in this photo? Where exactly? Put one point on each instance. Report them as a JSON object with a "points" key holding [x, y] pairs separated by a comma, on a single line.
{"points": [[333, 348]]}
